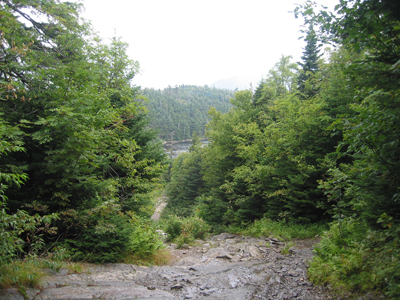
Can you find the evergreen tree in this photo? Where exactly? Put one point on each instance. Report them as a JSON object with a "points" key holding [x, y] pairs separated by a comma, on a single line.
{"points": [[186, 180], [67, 100], [177, 112], [309, 65]]}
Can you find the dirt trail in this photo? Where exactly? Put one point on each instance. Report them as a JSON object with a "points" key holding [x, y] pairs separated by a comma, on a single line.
{"points": [[159, 208], [225, 266]]}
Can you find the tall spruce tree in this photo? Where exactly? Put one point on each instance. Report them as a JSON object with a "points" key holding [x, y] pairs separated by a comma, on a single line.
{"points": [[309, 65]]}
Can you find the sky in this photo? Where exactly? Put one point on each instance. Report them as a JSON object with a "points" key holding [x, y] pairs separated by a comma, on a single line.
{"points": [[198, 42]]}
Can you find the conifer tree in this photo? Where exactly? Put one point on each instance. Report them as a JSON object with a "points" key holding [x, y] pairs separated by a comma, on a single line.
{"points": [[309, 66]]}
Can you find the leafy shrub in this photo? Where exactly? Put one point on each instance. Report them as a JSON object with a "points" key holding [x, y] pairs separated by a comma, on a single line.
{"points": [[21, 234], [186, 230], [196, 227], [352, 258], [173, 227], [283, 229], [102, 235], [160, 257], [108, 235], [144, 240]]}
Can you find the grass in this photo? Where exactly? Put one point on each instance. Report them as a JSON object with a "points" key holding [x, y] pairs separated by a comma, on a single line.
{"points": [[283, 230], [285, 249], [20, 274], [354, 259], [160, 257], [29, 273]]}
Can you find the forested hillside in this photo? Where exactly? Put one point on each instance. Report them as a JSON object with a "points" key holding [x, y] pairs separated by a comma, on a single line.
{"points": [[176, 112], [317, 141]]}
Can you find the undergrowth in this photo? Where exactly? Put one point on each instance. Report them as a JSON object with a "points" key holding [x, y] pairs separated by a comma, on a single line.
{"points": [[28, 273], [160, 257], [354, 259], [282, 229], [185, 230]]}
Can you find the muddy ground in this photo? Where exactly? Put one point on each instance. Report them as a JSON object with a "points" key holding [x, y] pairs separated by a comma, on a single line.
{"points": [[225, 266]]}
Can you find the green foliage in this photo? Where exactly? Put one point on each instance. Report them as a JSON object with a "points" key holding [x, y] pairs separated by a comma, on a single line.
{"points": [[103, 235], [29, 271], [310, 65], [74, 130], [283, 229], [176, 112], [186, 181], [351, 257], [173, 227], [360, 25], [357, 253], [211, 208], [144, 240], [22, 234], [185, 230], [264, 154], [21, 274]]}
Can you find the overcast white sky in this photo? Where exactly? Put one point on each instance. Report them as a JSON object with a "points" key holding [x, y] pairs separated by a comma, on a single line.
{"points": [[200, 41]]}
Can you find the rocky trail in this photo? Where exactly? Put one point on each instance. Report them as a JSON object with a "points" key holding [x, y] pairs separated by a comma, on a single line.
{"points": [[225, 266]]}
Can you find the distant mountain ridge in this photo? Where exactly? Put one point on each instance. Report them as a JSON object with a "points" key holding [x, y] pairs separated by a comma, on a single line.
{"points": [[176, 112], [233, 83]]}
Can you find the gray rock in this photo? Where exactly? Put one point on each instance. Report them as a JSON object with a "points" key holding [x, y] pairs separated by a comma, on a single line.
{"points": [[10, 294], [225, 267]]}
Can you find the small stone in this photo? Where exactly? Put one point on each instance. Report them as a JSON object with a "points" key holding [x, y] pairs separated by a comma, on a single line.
{"points": [[177, 287], [293, 273], [151, 288], [225, 256]]}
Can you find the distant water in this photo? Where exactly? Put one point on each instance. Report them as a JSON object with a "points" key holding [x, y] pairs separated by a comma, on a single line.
{"points": [[174, 148]]}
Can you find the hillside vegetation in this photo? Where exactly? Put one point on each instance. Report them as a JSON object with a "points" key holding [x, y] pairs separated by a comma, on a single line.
{"points": [[318, 141], [177, 112]]}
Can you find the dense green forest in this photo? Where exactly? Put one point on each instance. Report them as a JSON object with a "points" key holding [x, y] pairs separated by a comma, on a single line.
{"points": [[78, 159], [318, 141], [176, 112]]}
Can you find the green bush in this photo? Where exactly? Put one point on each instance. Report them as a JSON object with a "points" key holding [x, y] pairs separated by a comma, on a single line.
{"points": [[144, 240], [92, 246], [108, 235], [283, 229], [186, 230], [196, 227], [102, 235], [352, 258], [173, 227]]}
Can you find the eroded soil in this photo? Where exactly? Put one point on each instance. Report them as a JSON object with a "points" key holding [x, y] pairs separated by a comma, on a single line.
{"points": [[225, 266]]}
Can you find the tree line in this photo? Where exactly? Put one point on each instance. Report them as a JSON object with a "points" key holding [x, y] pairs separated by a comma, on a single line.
{"points": [[177, 112]]}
